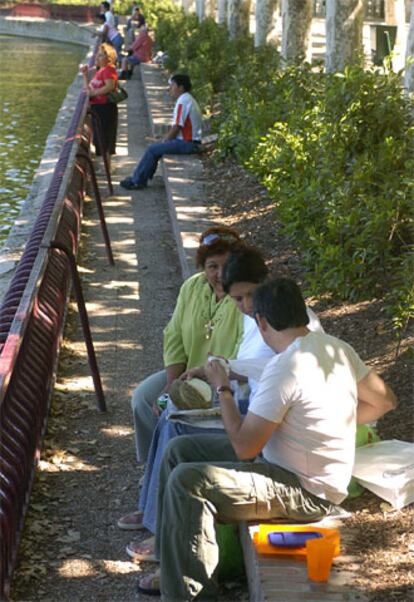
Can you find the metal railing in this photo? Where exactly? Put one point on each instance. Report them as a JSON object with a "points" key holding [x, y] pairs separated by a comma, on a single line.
{"points": [[31, 324]]}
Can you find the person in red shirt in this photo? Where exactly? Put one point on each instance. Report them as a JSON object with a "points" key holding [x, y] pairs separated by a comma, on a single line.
{"points": [[141, 49], [103, 81]]}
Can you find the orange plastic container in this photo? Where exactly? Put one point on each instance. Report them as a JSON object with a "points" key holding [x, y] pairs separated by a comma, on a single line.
{"points": [[264, 547]]}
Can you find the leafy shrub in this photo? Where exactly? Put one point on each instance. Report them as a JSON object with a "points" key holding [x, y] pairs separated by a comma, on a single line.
{"points": [[258, 95], [340, 174], [336, 153], [171, 36], [198, 49]]}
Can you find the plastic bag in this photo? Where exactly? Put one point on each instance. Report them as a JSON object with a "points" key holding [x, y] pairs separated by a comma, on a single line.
{"points": [[387, 469]]}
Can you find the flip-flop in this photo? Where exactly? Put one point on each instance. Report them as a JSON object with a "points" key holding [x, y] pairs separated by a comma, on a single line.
{"points": [[131, 522], [150, 585], [142, 550]]}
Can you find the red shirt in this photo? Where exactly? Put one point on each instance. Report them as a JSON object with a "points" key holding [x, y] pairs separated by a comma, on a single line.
{"points": [[99, 80], [142, 47]]}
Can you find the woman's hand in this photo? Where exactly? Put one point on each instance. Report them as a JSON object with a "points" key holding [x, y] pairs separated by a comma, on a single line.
{"points": [[193, 373]]}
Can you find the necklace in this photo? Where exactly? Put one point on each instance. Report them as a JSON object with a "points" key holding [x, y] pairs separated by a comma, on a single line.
{"points": [[209, 327], [214, 316]]}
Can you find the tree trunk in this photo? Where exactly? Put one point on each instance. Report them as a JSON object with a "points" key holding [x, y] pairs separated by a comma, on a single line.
{"points": [[222, 11], [266, 20], [238, 17], [201, 10], [188, 6], [409, 72], [211, 8], [395, 15], [296, 28], [344, 22]]}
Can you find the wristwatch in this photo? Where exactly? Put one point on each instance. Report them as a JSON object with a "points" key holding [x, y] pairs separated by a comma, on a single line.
{"points": [[223, 389]]}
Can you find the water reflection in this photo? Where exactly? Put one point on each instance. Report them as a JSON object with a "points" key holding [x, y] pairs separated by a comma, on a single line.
{"points": [[33, 83]]}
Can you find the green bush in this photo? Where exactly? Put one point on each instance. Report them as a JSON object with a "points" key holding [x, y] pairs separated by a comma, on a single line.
{"points": [[198, 49], [336, 153], [340, 174], [259, 94]]}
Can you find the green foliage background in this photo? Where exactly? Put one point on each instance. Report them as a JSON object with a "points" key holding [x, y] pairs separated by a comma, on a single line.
{"points": [[335, 152]]}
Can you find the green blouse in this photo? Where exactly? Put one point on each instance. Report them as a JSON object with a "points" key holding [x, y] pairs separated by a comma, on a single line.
{"points": [[200, 324]]}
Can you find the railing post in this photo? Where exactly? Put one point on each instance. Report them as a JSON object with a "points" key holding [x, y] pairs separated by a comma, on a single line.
{"points": [[97, 124], [84, 321], [85, 155]]}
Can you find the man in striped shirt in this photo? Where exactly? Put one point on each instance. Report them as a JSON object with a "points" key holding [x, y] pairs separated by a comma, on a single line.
{"points": [[183, 138]]}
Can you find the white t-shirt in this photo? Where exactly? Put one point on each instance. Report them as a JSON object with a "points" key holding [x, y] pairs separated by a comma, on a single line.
{"points": [[311, 391], [253, 347], [187, 115], [109, 18]]}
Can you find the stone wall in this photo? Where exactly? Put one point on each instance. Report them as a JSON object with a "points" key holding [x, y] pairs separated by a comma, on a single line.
{"points": [[60, 31]]}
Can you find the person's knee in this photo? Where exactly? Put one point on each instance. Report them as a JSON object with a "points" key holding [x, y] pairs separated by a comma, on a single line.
{"points": [[139, 401], [177, 450], [189, 477]]}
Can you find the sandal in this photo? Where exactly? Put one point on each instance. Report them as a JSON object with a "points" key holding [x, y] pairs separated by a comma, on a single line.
{"points": [[150, 585], [131, 522], [142, 550]]}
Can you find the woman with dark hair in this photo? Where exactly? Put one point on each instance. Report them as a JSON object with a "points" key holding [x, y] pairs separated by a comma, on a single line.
{"points": [[204, 321]]}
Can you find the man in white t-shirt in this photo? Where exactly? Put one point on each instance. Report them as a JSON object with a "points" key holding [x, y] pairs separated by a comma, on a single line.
{"points": [[183, 138], [302, 420], [109, 16]]}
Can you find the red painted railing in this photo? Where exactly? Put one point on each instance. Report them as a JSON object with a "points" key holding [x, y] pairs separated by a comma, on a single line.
{"points": [[31, 323]]}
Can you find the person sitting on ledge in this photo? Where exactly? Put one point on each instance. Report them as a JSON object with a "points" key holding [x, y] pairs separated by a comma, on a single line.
{"points": [[140, 52], [302, 419], [183, 138]]}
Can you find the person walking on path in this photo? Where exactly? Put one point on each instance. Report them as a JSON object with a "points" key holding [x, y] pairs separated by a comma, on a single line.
{"points": [[184, 137], [302, 420]]}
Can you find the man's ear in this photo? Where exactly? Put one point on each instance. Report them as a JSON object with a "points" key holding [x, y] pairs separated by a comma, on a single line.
{"points": [[261, 322]]}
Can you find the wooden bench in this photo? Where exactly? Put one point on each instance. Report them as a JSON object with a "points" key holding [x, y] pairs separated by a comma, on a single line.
{"points": [[284, 578]]}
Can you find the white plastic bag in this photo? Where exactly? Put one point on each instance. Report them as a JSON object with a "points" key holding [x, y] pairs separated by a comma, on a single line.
{"points": [[387, 469]]}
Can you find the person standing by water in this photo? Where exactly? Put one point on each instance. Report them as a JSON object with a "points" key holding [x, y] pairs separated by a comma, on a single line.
{"points": [[105, 8], [104, 81], [110, 34]]}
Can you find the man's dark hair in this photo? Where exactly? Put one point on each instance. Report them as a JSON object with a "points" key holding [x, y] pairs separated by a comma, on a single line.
{"points": [[244, 264], [106, 5], [280, 301], [182, 79]]}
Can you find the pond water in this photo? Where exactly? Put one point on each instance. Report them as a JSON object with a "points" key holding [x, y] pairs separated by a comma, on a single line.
{"points": [[34, 79]]}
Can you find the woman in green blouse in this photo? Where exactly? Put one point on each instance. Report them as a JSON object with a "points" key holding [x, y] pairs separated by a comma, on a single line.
{"points": [[205, 320]]}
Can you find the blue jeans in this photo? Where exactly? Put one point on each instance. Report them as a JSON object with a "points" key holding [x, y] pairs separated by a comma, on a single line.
{"points": [[133, 60], [164, 432], [117, 42], [146, 168]]}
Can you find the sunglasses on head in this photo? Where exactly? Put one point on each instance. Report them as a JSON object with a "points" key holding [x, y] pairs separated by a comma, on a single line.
{"points": [[209, 239]]}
